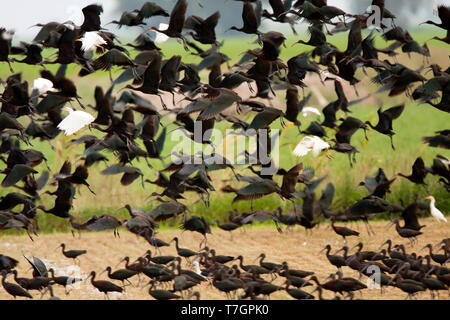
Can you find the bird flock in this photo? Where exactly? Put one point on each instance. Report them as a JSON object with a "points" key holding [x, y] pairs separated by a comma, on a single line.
{"points": [[127, 123]]}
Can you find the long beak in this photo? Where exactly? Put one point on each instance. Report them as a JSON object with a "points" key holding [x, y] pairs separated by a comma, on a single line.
{"points": [[389, 225], [102, 272], [120, 209], [384, 243], [437, 245], [329, 277], [87, 278], [119, 263], [400, 269], [341, 249]]}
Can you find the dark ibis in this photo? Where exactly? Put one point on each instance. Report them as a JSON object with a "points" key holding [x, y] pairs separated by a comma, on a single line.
{"points": [[14, 289], [103, 285]]}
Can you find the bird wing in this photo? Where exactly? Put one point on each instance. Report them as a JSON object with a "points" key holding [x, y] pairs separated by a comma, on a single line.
{"points": [[249, 16], [438, 214], [419, 168], [394, 112], [17, 173], [177, 16], [75, 121], [410, 216], [303, 147], [211, 21]]}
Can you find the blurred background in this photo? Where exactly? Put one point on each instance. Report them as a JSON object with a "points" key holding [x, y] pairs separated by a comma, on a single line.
{"points": [[20, 15]]}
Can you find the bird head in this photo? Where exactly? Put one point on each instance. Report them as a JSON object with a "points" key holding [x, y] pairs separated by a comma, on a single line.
{"points": [[68, 109], [107, 269], [325, 248]]}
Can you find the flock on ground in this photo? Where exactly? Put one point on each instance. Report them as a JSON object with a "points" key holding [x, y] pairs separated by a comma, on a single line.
{"points": [[125, 122]]}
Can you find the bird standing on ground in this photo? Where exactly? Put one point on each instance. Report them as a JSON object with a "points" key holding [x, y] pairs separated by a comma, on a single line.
{"points": [[435, 212], [343, 231], [72, 254]]}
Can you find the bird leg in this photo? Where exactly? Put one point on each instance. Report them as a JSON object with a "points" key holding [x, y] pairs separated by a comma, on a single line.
{"points": [[356, 90], [163, 103], [110, 76], [10, 67], [79, 102]]}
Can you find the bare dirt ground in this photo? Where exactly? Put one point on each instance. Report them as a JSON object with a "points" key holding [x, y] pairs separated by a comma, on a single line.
{"points": [[299, 250]]}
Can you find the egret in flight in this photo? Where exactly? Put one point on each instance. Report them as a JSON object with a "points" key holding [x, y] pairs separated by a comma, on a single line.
{"points": [[74, 121], [314, 144]]}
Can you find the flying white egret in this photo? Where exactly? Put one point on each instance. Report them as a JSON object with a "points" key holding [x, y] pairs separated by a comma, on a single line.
{"points": [[91, 40], [309, 111], [314, 144], [161, 37], [43, 85], [435, 212], [74, 121]]}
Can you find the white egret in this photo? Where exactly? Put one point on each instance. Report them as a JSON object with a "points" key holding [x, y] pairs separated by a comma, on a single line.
{"points": [[161, 37], [91, 40], [74, 121], [43, 85], [435, 212], [197, 269], [314, 144]]}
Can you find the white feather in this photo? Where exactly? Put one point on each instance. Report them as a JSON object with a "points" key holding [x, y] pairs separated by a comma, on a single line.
{"points": [[91, 40], [307, 144], [435, 212], [309, 111], [161, 37], [197, 269], [75, 121], [43, 85]]}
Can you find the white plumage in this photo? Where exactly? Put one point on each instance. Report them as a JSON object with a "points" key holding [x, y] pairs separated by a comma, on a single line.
{"points": [[309, 111], [314, 144], [197, 269], [43, 85], [75, 121], [91, 40], [435, 212], [161, 37]]}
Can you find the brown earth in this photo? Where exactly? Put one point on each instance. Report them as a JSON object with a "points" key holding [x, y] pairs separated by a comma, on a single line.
{"points": [[299, 250]]}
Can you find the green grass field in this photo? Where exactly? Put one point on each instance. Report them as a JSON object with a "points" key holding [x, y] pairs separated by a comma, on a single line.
{"points": [[416, 122]]}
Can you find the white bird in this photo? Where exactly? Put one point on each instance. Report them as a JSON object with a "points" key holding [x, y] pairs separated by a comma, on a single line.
{"points": [[197, 269], [161, 37], [43, 85], [435, 212], [74, 121], [91, 40], [7, 35], [444, 160], [314, 144], [309, 111]]}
